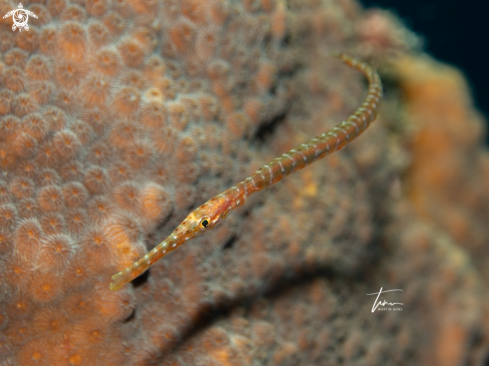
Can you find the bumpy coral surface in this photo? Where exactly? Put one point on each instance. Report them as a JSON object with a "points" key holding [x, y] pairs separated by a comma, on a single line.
{"points": [[448, 179], [118, 117]]}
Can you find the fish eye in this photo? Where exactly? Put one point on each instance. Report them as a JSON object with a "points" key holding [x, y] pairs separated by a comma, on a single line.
{"points": [[204, 222]]}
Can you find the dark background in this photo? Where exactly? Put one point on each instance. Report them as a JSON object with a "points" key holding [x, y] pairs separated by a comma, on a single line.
{"points": [[455, 32]]}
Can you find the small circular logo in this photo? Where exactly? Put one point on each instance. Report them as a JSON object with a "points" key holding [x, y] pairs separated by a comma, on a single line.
{"points": [[20, 17]]}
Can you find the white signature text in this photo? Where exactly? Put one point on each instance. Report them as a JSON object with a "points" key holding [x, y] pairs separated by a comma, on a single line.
{"points": [[382, 303]]}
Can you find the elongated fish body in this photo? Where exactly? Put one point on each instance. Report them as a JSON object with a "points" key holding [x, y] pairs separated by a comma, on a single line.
{"points": [[210, 213]]}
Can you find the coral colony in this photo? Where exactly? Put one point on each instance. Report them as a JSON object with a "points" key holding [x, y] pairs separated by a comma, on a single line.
{"points": [[119, 118]]}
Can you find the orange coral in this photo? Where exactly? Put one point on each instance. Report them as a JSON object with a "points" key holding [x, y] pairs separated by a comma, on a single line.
{"points": [[38, 68], [443, 182], [117, 117], [72, 40]]}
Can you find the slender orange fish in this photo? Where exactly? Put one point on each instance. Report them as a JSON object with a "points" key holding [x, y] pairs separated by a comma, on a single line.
{"points": [[210, 213]]}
